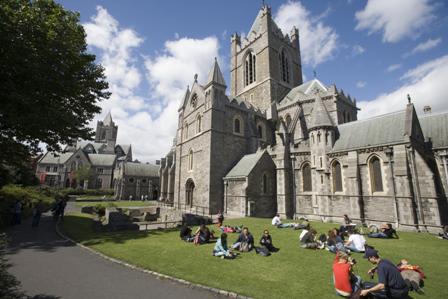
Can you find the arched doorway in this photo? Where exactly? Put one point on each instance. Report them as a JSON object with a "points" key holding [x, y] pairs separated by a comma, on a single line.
{"points": [[67, 183], [189, 190]]}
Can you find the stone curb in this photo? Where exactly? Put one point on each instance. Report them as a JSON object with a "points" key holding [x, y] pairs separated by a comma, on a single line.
{"points": [[158, 275]]}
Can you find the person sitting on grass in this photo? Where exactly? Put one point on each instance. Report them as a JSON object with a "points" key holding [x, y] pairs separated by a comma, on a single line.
{"points": [[413, 275], [221, 249], [245, 241], [444, 235], [386, 232], [390, 282], [203, 235], [276, 221], [266, 242], [345, 282], [334, 242], [220, 219], [355, 242], [185, 234], [308, 240]]}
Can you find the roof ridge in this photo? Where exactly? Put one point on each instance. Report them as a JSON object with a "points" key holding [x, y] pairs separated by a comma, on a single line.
{"points": [[373, 117]]}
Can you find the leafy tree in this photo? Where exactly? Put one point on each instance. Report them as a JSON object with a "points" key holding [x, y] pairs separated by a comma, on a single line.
{"points": [[50, 85], [83, 173]]}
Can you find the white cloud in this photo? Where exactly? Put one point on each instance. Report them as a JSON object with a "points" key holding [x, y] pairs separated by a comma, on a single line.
{"points": [[396, 19], [147, 121], [318, 42], [426, 85], [425, 46], [360, 84], [393, 67], [358, 50]]}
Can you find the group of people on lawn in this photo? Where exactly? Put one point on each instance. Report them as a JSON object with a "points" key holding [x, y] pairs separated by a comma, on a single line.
{"points": [[341, 241]]}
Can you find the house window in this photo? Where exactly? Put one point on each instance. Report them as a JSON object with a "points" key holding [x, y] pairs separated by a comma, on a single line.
{"points": [[284, 66], [312, 138], [249, 69], [260, 131], [337, 177], [55, 169], [190, 160], [265, 183], [47, 169], [326, 138], [194, 100], [320, 162], [131, 180], [99, 183], [306, 178], [318, 137], [144, 181], [199, 124], [100, 170], [237, 126], [376, 177]]}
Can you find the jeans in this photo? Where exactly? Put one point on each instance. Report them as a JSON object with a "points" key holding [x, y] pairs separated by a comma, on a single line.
{"points": [[285, 225], [383, 294], [378, 235]]}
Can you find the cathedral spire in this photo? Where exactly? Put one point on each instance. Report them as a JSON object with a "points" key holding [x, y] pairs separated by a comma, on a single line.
{"points": [[108, 120], [185, 98], [215, 76], [319, 115]]}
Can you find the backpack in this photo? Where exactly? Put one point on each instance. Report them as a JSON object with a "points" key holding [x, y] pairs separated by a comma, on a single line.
{"points": [[263, 251]]}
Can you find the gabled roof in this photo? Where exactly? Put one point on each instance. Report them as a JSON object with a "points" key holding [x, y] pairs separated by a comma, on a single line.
{"points": [[96, 145], [435, 126], [380, 130], [55, 158], [319, 115], [215, 76], [102, 159], [244, 167], [185, 98], [140, 169]]}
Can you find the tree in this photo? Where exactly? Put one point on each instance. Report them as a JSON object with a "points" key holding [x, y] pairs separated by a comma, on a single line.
{"points": [[50, 85], [83, 173]]}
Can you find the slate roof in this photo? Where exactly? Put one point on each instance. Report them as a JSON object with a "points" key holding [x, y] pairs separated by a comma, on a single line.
{"points": [[96, 145], [435, 126], [245, 165], [215, 75], [140, 169], [101, 159], [380, 130], [55, 158]]}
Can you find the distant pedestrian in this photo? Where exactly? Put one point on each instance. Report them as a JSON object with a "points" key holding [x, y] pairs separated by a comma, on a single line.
{"points": [[17, 213], [146, 197], [130, 197], [142, 197], [37, 213], [62, 208]]}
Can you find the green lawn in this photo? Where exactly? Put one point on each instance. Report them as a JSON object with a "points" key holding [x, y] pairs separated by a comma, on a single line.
{"points": [[123, 203], [87, 197], [293, 272]]}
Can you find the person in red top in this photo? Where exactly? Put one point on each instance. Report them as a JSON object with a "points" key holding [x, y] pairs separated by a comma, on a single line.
{"points": [[345, 282]]}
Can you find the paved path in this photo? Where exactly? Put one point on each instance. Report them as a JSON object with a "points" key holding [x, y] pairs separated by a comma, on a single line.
{"points": [[55, 268]]}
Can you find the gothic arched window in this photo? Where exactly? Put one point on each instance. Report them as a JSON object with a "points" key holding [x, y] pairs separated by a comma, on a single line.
{"points": [[288, 121], [190, 160], [336, 172], [186, 131], [249, 69], [194, 100], [237, 126], [284, 66], [199, 124], [260, 131], [376, 178], [318, 137], [306, 178]]}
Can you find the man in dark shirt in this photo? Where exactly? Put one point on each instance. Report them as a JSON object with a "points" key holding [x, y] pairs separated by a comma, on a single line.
{"points": [[390, 282]]}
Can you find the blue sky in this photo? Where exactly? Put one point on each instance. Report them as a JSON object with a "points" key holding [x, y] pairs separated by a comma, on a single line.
{"points": [[376, 50]]}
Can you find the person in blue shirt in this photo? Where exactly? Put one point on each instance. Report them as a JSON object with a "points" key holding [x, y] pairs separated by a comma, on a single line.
{"points": [[221, 249], [390, 282]]}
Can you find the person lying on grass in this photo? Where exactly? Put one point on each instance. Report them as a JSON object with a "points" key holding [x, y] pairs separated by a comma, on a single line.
{"points": [[266, 242], [444, 234], [221, 249], [276, 221], [203, 235], [355, 241], [390, 282], [413, 275], [245, 241], [345, 282], [386, 232]]}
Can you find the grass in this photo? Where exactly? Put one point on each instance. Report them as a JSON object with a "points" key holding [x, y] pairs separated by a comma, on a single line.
{"points": [[87, 197], [123, 203], [293, 272]]}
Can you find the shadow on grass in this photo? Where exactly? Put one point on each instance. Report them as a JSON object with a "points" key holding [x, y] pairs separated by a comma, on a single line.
{"points": [[81, 228]]}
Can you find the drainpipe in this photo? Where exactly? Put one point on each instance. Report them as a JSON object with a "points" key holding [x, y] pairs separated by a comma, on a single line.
{"points": [[389, 152], [416, 186], [293, 161]]}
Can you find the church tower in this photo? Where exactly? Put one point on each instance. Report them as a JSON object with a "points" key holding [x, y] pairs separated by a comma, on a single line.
{"points": [[106, 131], [266, 64]]}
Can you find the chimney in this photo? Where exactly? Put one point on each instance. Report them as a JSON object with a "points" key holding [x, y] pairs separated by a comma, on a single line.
{"points": [[427, 110]]}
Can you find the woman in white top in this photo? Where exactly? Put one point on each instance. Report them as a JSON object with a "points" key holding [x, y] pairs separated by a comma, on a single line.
{"points": [[355, 242]]}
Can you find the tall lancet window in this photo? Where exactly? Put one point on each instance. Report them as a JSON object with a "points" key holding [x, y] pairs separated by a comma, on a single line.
{"points": [[376, 178], [337, 177], [249, 68], [284, 66]]}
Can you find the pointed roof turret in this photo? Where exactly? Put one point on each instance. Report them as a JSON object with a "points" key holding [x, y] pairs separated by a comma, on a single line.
{"points": [[215, 76], [108, 120], [319, 115], [185, 98]]}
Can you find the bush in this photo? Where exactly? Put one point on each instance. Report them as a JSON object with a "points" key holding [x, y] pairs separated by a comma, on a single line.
{"points": [[100, 209], [29, 196]]}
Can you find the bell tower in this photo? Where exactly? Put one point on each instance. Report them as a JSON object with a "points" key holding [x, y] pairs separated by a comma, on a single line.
{"points": [[266, 64]]}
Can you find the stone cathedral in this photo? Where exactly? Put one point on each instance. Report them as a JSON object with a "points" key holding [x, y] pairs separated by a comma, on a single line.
{"points": [[276, 144]]}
